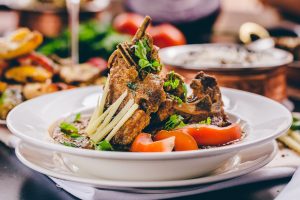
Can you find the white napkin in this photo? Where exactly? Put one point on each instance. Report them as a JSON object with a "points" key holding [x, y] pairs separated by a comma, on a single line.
{"points": [[7, 138], [90, 193], [291, 191]]}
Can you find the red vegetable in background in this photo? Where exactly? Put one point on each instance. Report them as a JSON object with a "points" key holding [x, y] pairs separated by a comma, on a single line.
{"points": [[164, 35], [127, 23]]}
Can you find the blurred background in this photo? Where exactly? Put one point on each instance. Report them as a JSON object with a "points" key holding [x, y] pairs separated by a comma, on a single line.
{"points": [[59, 60]]}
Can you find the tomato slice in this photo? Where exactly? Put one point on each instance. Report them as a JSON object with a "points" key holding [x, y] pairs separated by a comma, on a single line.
{"points": [[183, 141], [209, 135], [144, 143]]}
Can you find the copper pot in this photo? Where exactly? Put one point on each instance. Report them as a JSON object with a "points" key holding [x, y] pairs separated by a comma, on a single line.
{"points": [[268, 79]]}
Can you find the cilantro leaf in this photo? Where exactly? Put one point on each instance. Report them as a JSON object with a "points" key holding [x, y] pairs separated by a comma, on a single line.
{"points": [[68, 144], [206, 121], [141, 50], [68, 128], [172, 81], [77, 117], [104, 146], [175, 121], [176, 98]]}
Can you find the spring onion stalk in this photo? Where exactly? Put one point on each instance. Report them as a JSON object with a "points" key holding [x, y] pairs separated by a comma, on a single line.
{"points": [[122, 122], [100, 105], [91, 129], [100, 134], [290, 142], [114, 108], [295, 136]]}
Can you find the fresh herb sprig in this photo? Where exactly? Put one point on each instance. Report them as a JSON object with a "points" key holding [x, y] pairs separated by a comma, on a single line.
{"points": [[69, 129], [104, 146], [296, 124], [206, 121], [141, 50], [175, 121]]}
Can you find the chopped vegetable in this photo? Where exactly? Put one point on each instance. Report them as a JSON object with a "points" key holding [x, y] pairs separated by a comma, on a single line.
{"points": [[141, 50], [96, 118], [77, 117], [144, 143], [104, 146], [206, 121], [175, 121], [176, 98], [209, 135], [103, 130], [122, 121], [183, 141], [296, 124], [68, 128], [69, 144], [172, 82]]}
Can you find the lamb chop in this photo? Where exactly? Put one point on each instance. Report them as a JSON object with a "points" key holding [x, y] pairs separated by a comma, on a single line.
{"points": [[204, 102], [134, 67]]}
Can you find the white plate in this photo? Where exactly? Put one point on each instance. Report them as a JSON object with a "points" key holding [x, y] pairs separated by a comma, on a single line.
{"points": [[51, 164], [263, 118]]}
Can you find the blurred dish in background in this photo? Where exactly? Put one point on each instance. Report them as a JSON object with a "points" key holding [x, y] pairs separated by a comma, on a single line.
{"points": [[26, 74], [233, 65], [195, 18], [282, 39], [56, 5]]}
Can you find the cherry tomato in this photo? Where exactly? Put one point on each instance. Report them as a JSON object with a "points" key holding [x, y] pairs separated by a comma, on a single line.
{"points": [[212, 135], [166, 35], [127, 23], [183, 141], [144, 143]]}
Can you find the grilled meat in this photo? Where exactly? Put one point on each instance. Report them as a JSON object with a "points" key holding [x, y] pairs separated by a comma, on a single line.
{"points": [[145, 87], [135, 67], [205, 101]]}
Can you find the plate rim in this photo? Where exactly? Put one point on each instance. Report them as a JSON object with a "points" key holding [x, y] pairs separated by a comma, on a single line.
{"points": [[154, 184]]}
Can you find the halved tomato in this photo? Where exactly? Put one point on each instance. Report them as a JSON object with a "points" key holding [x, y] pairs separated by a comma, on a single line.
{"points": [[210, 135], [183, 141], [144, 143]]}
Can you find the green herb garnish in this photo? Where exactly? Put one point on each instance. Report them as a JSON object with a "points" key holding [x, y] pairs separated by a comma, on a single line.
{"points": [[132, 85], [172, 82], [141, 50], [68, 144], [296, 124], [104, 146], [176, 98], [175, 121], [77, 117], [185, 91], [68, 128], [206, 121]]}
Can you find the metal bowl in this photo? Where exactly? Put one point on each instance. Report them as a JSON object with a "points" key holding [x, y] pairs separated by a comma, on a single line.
{"points": [[267, 78]]}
